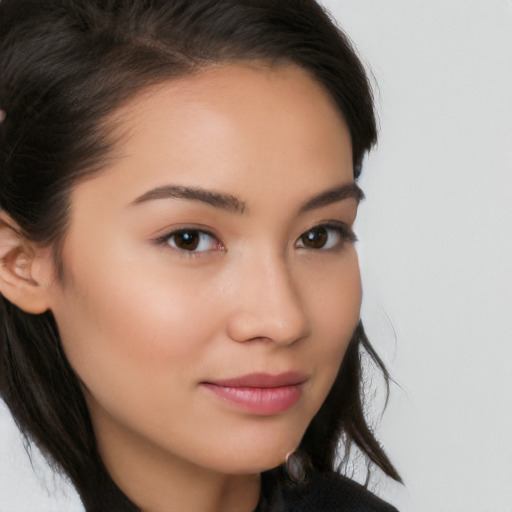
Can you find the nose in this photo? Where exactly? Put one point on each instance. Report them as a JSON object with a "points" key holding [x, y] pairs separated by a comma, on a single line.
{"points": [[267, 304]]}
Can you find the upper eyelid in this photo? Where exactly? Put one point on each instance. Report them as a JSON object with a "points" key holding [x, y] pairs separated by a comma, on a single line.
{"points": [[332, 224], [167, 233]]}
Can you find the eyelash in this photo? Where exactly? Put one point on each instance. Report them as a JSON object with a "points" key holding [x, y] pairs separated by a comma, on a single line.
{"points": [[165, 241], [342, 230]]}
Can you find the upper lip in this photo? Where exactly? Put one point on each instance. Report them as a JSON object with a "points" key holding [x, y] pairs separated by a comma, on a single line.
{"points": [[263, 380]]}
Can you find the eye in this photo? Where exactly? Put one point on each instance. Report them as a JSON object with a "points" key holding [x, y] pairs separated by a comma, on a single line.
{"points": [[325, 237], [192, 240]]}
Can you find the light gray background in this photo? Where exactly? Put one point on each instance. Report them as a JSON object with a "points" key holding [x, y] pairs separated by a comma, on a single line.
{"points": [[436, 256]]}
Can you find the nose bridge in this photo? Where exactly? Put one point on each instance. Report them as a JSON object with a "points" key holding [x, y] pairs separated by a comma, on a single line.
{"points": [[269, 304]]}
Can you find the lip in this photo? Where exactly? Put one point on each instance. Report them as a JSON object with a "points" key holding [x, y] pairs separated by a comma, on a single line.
{"points": [[259, 393], [264, 380]]}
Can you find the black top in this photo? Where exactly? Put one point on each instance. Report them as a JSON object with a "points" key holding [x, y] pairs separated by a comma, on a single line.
{"points": [[319, 493]]}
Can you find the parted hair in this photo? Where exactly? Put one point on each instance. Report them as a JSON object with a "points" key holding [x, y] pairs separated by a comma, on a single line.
{"points": [[65, 66]]}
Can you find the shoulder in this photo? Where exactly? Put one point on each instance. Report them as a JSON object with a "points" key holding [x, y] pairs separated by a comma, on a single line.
{"points": [[325, 492]]}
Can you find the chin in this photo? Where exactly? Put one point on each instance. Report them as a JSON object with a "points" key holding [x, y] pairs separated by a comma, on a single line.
{"points": [[250, 444], [255, 457]]}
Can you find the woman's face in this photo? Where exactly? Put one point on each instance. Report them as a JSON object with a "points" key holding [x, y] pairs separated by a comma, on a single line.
{"points": [[211, 283]]}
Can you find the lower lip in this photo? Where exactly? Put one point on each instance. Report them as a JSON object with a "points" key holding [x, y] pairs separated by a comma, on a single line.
{"points": [[264, 401]]}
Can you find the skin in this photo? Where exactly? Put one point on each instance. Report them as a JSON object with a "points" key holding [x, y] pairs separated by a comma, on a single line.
{"points": [[145, 323]]}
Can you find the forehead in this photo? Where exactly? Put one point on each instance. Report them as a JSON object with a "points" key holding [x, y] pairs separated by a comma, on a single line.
{"points": [[235, 127]]}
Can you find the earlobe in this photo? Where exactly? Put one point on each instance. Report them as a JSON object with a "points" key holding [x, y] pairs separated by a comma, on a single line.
{"points": [[23, 276]]}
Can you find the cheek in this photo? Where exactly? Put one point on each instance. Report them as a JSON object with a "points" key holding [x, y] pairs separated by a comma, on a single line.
{"points": [[132, 330], [335, 297], [335, 311]]}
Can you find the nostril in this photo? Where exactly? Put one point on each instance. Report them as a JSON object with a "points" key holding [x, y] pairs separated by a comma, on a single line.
{"points": [[268, 325]]}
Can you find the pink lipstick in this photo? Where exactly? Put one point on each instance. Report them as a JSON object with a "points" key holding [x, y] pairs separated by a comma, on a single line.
{"points": [[260, 393]]}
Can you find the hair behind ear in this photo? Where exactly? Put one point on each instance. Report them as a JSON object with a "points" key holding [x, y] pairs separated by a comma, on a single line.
{"points": [[343, 413], [44, 396]]}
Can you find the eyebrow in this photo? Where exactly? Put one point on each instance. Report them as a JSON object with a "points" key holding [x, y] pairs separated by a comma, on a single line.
{"points": [[333, 195], [216, 199], [232, 204]]}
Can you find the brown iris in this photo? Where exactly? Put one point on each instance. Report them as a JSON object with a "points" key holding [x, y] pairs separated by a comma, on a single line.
{"points": [[315, 238], [187, 240]]}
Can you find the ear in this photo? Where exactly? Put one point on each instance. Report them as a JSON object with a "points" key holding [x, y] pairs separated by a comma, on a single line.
{"points": [[25, 269]]}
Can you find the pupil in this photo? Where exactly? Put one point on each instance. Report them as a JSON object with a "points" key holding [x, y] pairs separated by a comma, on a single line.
{"points": [[315, 238], [188, 240]]}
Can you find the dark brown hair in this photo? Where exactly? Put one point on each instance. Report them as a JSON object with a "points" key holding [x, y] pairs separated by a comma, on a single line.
{"points": [[65, 65]]}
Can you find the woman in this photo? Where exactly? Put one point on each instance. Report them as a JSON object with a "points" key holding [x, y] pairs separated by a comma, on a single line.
{"points": [[180, 289]]}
